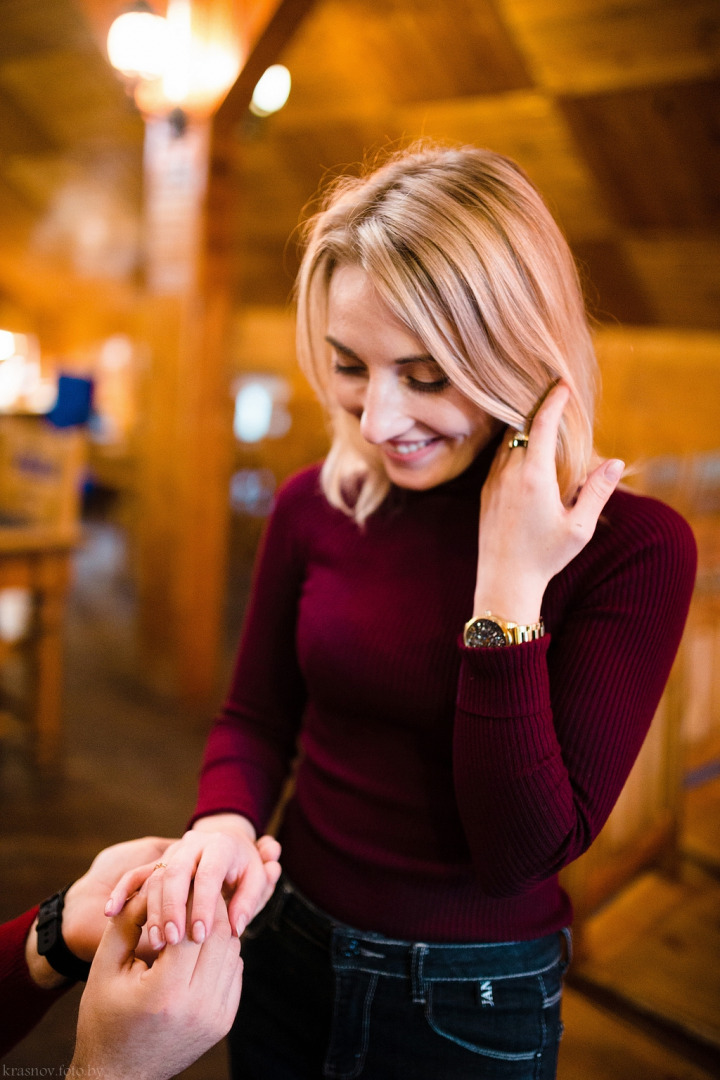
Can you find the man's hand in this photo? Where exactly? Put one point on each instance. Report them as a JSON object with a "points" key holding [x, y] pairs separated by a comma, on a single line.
{"points": [[83, 920], [150, 1023]]}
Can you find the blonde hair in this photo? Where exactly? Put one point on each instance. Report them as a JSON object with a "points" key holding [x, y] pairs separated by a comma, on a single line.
{"points": [[463, 250]]}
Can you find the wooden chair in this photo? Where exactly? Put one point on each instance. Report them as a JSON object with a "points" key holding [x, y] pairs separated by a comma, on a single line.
{"points": [[40, 478], [644, 829]]}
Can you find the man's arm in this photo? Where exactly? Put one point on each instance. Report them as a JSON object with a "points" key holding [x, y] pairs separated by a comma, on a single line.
{"points": [[28, 984]]}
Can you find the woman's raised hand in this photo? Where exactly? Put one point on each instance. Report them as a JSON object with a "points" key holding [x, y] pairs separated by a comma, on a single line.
{"points": [[219, 855], [527, 534]]}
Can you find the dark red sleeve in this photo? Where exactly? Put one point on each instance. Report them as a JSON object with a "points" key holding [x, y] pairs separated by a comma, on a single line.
{"points": [[22, 1003], [546, 733], [253, 740]]}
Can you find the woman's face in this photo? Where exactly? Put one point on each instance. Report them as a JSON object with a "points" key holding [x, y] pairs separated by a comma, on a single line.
{"points": [[426, 430]]}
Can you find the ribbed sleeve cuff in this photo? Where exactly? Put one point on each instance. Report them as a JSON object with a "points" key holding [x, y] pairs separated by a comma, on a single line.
{"points": [[505, 682]]}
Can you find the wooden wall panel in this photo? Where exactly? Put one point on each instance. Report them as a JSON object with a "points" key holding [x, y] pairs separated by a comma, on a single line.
{"points": [[582, 46], [87, 101], [681, 276], [395, 52], [613, 287], [661, 392], [529, 128], [32, 27], [655, 152]]}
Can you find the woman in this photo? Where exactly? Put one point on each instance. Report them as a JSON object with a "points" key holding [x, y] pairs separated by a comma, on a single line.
{"points": [[468, 703]]}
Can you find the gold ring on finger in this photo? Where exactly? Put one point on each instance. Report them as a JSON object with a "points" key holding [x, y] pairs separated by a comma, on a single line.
{"points": [[519, 439]]}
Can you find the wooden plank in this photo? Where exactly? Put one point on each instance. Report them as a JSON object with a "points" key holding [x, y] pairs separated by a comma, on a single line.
{"points": [[654, 152], [22, 132], [33, 27], [582, 46], [76, 94], [654, 379], [701, 824], [384, 54], [614, 289], [680, 275], [531, 129], [600, 1046], [271, 27], [658, 948]]}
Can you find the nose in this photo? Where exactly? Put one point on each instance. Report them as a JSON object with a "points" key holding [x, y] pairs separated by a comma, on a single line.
{"points": [[383, 414]]}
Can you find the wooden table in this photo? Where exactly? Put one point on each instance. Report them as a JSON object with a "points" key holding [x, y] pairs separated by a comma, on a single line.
{"points": [[38, 559]]}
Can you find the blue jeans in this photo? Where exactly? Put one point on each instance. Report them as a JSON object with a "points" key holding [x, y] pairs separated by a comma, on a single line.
{"points": [[323, 1000]]}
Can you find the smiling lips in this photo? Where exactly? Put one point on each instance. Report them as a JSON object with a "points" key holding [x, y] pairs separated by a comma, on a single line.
{"points": [[409, 449]]}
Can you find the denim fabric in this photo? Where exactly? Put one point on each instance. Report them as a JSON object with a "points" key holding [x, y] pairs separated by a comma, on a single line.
{"points": [[323, 1000]]}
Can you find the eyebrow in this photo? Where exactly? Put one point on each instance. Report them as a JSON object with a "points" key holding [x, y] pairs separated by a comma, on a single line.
{"points": [[425, 358]]}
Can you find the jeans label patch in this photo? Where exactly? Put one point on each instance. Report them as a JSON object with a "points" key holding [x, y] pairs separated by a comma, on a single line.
{"points": [[486, 993]]}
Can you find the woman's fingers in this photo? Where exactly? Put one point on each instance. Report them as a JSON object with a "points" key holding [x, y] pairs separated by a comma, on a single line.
{"points": [[273, 870], [268, 848], [168, 890], [220, 864], [593, 495], [521, 499], [543, 433], [248, 897], [206, 862]]}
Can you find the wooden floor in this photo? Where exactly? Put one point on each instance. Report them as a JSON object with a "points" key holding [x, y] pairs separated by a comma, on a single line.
{"points": [[645, 1005]]}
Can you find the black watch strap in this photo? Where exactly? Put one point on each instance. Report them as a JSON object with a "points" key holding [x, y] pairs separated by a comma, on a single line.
{"points": [[51, 943]]}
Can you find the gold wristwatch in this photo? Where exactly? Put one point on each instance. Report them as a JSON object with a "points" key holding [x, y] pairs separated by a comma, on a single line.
{"points": [[489, 631]]}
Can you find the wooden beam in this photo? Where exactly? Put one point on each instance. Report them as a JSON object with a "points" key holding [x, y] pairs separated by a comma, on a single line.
{"points": [[185, 451], [283, 17]]}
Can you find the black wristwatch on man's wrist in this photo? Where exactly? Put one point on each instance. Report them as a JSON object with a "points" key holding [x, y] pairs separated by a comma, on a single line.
{"points": [[52, 945]]}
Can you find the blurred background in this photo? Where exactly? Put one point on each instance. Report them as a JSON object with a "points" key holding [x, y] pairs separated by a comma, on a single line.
{"points": [[150, 404]]}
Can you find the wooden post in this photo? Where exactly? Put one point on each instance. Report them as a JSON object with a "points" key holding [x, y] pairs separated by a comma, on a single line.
{"points": [[186, 439]]}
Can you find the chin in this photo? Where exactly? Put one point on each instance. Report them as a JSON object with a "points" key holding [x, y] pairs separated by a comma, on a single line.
{"points": [[423, 479]]}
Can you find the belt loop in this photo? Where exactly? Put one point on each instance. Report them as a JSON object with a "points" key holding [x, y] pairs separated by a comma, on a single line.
{"points": [[417, 959], [566, 959]]}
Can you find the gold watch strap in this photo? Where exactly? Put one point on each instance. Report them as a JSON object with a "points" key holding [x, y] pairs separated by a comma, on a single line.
{"points": [[525, 632], [514, 633]]}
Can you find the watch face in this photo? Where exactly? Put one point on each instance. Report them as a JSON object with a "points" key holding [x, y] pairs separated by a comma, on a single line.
{"points": [[485, 634]]}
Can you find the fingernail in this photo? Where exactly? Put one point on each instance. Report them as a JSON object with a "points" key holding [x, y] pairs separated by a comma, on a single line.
{"points": [[198, 932], [241, 924], [171, 933], [614, 469], [155, 937], [109, 906]]}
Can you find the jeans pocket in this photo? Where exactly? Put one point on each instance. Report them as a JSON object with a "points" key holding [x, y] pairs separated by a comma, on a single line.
{"points": [[267, 916], [506, 1019]]}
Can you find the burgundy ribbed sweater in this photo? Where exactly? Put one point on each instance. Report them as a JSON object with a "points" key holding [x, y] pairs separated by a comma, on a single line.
{"points": [[440, 789]]}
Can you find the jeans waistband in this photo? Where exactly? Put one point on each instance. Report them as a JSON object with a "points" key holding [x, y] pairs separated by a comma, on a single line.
{"points": [[361, 950]]}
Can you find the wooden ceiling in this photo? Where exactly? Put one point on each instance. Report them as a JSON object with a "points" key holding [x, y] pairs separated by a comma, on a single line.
{"points": [[612, 106]]}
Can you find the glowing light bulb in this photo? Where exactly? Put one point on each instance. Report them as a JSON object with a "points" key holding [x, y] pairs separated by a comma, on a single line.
{"points": [[137, 44], [253, 412], [271, 91], [7, 345], [187, 60]]}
